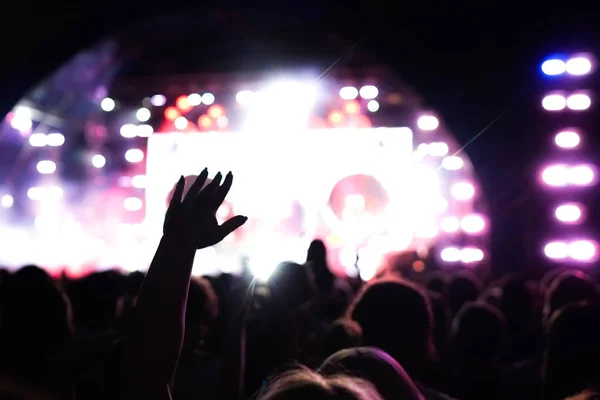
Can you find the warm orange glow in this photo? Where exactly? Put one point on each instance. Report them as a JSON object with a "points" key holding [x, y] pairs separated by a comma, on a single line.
{"points": [[362, 121], [336, 117], [182, 103], [171, 113], [352, 107], [216, 111], [418, 266], [204, 122]]}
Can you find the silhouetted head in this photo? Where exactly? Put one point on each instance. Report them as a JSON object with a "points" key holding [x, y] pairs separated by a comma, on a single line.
{"points": [[342, 334], [304, 384], [516, 303], [463, 287], [569, 287], [375, 366], [291, 285], [396, 317], [478, 333], [436, 282], [317, 259], [572, 351], [31, 276]]}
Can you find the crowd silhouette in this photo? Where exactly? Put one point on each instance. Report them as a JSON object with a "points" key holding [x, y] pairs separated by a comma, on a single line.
{"points": [[303, 334]]}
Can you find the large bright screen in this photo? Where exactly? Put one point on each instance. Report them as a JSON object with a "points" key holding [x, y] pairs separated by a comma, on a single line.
{"points": [[354, 188]]}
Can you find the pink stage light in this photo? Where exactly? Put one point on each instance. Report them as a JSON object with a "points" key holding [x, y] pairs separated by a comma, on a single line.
{"points": [[470, 255], [556, 175], [450, 254], [450, 224], [557, 250], [579, 102], [582, 250], [581, 175], [554, 102], [578, 66], [473, 223], [567, 139], [569, 213], [462, 191]]}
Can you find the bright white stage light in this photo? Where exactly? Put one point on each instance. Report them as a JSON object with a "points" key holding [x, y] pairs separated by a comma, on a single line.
{"points": [[107, 104], [98, 161], [45, 193], [134, 155], [579, 102], [38, 140], [7, 201], [143, 114], [244, 97], [284, 104], [452, 163], [578, 66], [368, 92], [348, 93], [194, 99], [428, 123], [567, 139], [133, 204], [55, 139], [46, 167], [554, 67], [208, 98], [128, 131], [158, 100], [554, 102]]}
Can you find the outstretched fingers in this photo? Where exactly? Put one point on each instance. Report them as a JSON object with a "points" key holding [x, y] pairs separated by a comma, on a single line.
{"points": [[222, 191], [231, 225], [196, 187], [175, 201]]}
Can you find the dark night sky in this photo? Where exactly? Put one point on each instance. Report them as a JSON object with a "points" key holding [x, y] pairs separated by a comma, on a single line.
{"points": [[472, 61]]}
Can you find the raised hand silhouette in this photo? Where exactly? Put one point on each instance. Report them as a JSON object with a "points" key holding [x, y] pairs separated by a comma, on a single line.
{"points": [[193, 219]]}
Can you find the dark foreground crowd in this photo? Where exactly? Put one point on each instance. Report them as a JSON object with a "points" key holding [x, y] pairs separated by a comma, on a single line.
{"points": [[304, 334]]}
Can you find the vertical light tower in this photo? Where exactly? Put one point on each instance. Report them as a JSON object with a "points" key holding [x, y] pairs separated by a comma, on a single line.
{"points": [[571, 176]]}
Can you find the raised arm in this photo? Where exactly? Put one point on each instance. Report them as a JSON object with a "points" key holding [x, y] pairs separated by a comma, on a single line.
{"points": [[155, 337]]}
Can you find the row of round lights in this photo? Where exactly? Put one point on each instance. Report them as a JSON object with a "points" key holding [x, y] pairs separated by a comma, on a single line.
{"points": [[565, 175]]}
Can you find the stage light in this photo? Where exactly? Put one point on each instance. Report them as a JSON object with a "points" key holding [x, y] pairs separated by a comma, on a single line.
{"points": [[181, 123], [438, 149], [158, 100], [569, 213], [55, 139], [134, 155], [98, 161], [335, 117], [139, 181], [22, 123], [128, 131], [556, 175], [452, 163], [208, 98], [450, 224], [581, 175], [143, 114], [579, 102], [428, 123], [244, 97], [182, 103], [7, 201], [216, 111], [171, 113], [462, 191], [554, 67], [107, 104], [204, 121], [222, 122], [46, 167], [133, 204], [470, 255], [283, 104], [578, 66], [368, 92], [145, 130], [373, 105], [368, 262], [50, 193], [194, 99], [348, 93], [352, 107], [567, 139], [554, 102], [450, 254], [38, 140], [582, 250], [472, 224], [556, 250]]}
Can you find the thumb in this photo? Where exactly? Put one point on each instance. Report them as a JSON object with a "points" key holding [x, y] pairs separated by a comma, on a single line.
{"points": [[232, 224]]}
